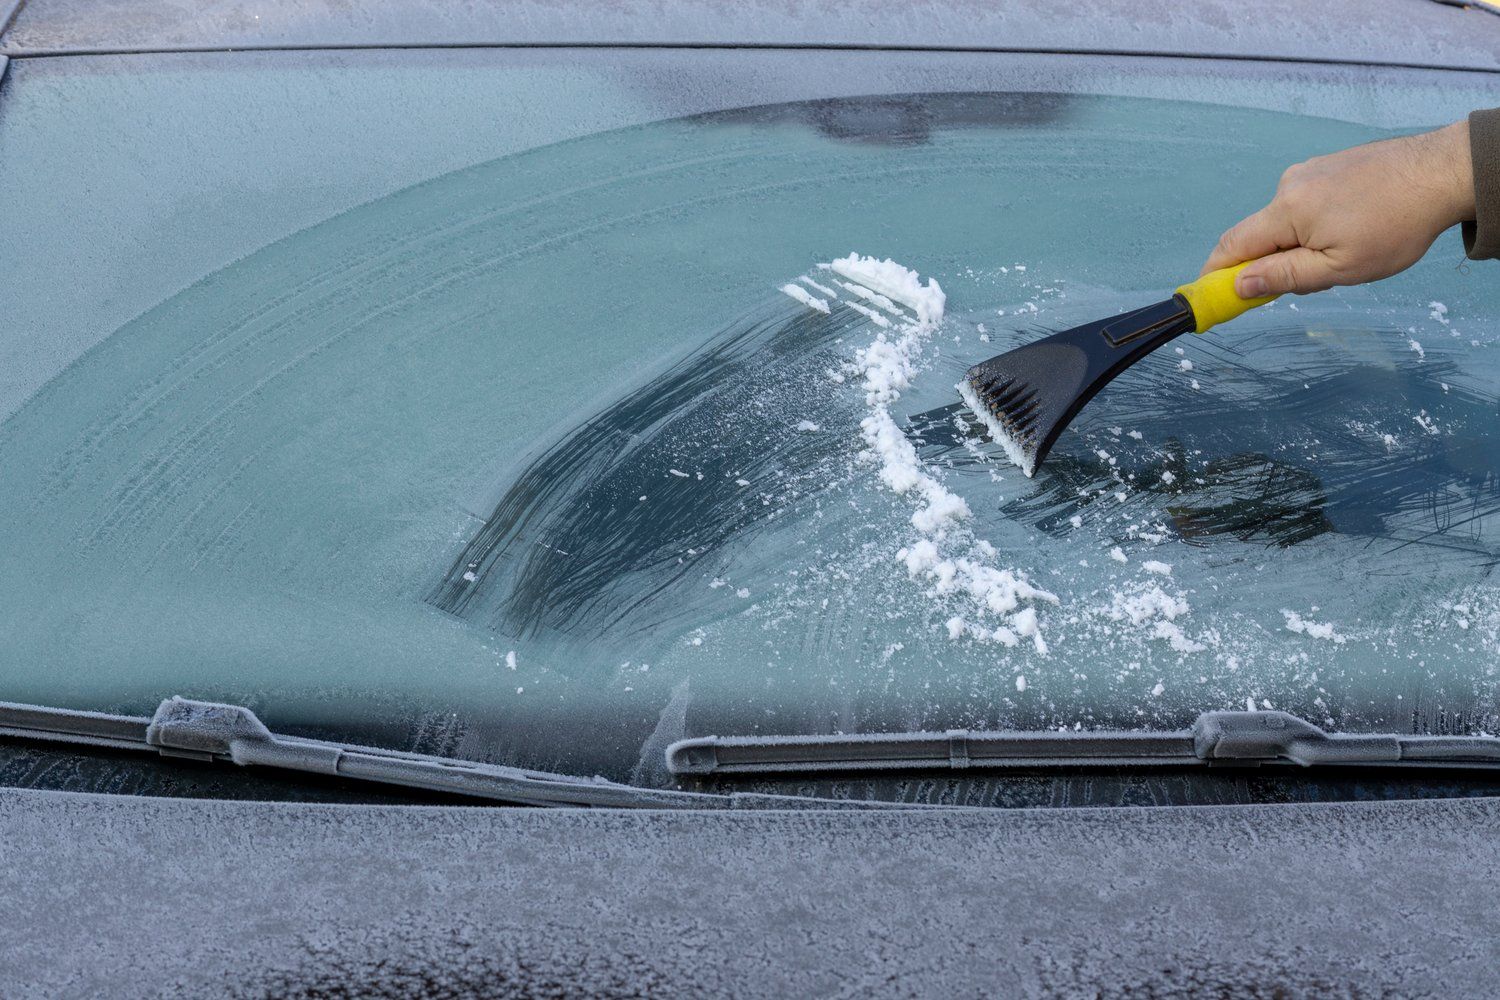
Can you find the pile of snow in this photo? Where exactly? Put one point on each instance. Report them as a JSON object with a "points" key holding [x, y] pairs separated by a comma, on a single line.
{"points": [[943, 553], [892, 280]]}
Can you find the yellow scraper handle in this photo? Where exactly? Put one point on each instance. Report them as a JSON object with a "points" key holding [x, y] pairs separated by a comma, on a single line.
{"points": [[1214, 300]]}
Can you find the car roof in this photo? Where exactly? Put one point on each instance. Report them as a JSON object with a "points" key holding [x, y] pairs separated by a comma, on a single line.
{"points": [[1424, 33]]}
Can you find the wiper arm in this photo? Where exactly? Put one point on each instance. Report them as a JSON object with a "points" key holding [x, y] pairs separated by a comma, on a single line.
{"points": [[1216, 739], [208, 731]]}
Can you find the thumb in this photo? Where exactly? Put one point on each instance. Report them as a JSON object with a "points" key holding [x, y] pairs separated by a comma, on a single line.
{"points": [[1297, 270]]}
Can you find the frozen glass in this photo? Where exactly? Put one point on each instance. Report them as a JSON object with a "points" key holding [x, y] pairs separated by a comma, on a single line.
{"points": [[535, 460]]}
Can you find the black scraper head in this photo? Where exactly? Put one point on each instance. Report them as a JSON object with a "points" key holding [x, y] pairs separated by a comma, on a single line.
{"points": [[1026, 397]]}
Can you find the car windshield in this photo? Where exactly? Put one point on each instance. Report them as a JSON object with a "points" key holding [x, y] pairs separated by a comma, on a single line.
{"points": [[598, 444]]}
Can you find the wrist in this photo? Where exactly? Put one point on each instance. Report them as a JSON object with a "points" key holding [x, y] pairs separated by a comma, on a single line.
{"points": [[1452, 167]]}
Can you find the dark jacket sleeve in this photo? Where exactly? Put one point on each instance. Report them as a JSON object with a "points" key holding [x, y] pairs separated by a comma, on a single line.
{"points": [[1482, 236]]}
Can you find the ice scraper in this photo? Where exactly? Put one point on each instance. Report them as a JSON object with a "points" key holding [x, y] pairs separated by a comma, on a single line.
{"points": [[1027, 396]]}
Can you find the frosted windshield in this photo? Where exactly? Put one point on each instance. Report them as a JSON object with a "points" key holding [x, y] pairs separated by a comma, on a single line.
{"points": [[561, 456]]}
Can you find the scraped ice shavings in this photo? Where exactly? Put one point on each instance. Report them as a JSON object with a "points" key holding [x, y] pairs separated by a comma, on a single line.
{"points": [[945, 554], [998, 434], [1142, 604], [805, 297], [1316, 630], [810, 283], [1145, 604]]}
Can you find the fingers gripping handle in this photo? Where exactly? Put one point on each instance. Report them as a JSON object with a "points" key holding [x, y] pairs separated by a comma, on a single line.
{"points": [[1214, 300]]}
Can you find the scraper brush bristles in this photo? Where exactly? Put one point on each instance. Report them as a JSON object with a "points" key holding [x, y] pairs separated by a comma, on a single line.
{"points": [[1007, 406], [1026, 397]]}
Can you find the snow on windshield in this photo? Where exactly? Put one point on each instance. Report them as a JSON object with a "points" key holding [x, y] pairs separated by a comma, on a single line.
{"points": [[657, 431]]}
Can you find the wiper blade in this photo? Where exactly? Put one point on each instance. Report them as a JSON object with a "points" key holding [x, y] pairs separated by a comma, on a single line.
{"points": [[1216, 739], [208, 731]]}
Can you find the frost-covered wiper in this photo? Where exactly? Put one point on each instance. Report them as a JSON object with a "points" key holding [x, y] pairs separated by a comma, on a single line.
{"points": [[1216, 739], [208, 731]]}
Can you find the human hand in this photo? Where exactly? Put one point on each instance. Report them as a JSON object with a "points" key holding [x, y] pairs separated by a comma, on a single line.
{"points": [[1359, 215]]}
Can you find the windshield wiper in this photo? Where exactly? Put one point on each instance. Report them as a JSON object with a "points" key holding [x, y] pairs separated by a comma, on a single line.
{"points": [[207, 731], [1216, 739]]}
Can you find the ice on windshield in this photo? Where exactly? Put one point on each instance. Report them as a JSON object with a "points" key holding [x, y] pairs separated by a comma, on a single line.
{"points": [[656, 432]]}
